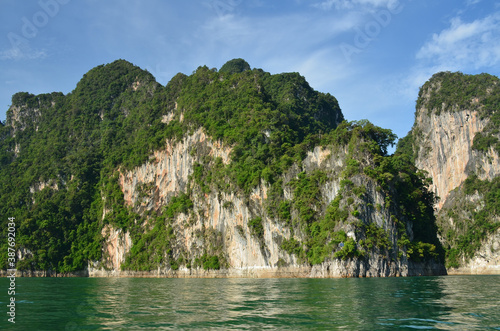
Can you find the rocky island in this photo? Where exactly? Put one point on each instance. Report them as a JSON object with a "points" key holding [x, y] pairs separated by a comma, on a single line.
{"points": [[234, 172]]}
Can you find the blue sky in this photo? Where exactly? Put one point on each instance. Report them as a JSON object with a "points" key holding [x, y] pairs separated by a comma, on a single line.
{"points": [[372, 55]]}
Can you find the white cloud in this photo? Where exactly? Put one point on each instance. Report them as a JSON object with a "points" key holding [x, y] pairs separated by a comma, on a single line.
{"points": [[472, 2], [465, 45], [286, 40], [324, 69], [350, 4], [26, 53]]}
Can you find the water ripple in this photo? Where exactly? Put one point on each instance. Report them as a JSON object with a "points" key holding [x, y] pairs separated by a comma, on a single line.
{"points": [[444, 303]]}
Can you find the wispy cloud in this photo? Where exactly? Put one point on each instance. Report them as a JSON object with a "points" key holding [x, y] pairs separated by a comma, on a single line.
{"points": [[465, 45], [472, 2], [350, 4], [285, 38], [25, 53]]}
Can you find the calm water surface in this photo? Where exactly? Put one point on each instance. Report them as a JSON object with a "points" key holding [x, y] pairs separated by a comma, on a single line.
{"points": [[449, 303]]}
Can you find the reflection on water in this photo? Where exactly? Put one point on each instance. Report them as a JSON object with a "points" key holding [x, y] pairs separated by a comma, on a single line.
{"points": [[474, 300], [127, 303]]}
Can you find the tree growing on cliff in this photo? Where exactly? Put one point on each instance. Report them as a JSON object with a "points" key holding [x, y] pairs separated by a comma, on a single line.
{"points": [[235, 66]]}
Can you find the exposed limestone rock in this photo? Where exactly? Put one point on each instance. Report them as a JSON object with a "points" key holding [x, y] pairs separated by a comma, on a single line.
{"points": [[41, 185], [19, 117], [168, 170], [485, 262], [443, 146], [221, 218], [117, 245], [446, 148]]}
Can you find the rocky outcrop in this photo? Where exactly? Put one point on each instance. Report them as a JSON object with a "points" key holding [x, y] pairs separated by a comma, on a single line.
{"points": [[221, 218], [20, 117], [117, 245], [442, 140], [485, 262], [26, 110], [167, 173], [446, 149]]}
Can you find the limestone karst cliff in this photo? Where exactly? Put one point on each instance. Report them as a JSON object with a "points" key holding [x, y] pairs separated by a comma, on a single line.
{"points": [[219, 222], [224, 173], [455, 139]]}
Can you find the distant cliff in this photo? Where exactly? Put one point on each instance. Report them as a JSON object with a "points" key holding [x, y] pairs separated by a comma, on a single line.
{"points": [[230, 173], [455, 139]]}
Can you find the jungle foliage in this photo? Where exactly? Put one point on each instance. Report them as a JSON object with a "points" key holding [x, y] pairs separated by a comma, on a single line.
{"points": [[404, 187], [451, 91], [465, 238], [61, 157]]}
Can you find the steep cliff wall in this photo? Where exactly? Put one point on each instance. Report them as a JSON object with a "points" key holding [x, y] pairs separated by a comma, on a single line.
{"points": [[446, 150], [167, 172], [454, 139], [219, 222]]}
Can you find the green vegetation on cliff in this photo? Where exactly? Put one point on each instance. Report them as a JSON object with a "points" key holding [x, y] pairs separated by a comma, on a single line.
{"points": [[71, 145], [235, 66], [60, 153], [454, 91], [61, 157], [470, 214], [473, 220], [406, 198], [271, 120]]}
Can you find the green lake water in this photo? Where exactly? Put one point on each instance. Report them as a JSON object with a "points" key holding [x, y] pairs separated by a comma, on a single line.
{"points": [[448, 303]]}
